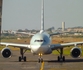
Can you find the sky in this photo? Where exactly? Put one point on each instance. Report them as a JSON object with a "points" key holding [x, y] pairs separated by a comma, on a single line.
{"points": [[26, 14]]}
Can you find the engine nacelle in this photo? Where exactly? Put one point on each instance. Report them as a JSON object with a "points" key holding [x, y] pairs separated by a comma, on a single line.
{"points": [[75, 52], [6, 52]]}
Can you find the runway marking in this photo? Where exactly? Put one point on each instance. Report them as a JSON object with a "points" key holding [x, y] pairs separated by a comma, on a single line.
{"points": [[42, 66]]}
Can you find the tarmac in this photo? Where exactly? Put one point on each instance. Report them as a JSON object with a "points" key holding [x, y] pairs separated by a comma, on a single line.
{"points": [[50, 62]]}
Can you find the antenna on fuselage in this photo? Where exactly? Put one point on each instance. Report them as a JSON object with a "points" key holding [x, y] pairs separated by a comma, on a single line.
{"points": [[42, 16]]}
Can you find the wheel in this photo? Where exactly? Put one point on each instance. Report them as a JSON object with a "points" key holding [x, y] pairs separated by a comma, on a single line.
{"points": [[19, 59], [41, 60], [25, 58], [63, 58], [58, 58]]}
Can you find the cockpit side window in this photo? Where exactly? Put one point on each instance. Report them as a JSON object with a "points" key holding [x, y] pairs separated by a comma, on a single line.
{"points": [[39, 41]]}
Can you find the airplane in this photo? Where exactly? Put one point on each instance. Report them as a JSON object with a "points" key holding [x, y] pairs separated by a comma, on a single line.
{"points": [[40, 44]]}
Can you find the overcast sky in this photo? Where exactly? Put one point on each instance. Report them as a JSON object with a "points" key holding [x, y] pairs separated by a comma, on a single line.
{"points": [[26, 14]]}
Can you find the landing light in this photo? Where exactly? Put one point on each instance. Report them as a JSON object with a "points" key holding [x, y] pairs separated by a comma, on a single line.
{"points": [[40, 54]]}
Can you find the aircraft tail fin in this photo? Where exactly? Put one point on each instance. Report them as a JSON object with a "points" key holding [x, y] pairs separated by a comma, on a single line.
{"points": [[42, 16]]}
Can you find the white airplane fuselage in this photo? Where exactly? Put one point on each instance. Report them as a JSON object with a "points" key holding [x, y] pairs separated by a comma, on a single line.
{"points": [[40, 43]]}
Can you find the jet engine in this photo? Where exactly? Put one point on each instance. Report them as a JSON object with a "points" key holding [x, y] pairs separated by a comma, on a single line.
{"points": [[6, 52], [75, 52]]}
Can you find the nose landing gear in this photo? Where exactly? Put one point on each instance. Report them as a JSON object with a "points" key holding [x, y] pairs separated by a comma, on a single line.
{"points": [[40, 60]]}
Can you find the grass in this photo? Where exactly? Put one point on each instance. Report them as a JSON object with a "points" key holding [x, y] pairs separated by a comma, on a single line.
{"points": [[65, 52], [12, 48], [16, 40]]}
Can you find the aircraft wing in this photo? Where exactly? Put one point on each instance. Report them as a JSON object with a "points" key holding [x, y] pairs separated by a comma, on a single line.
{"points": [[58, 46], [24, 46]]}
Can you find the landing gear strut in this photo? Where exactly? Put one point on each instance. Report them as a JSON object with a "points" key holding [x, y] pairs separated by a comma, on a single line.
{"points": [[40, 58], [22, 57], [61, 57]]}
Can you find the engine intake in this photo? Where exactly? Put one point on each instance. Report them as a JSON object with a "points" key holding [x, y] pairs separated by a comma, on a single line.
{"points": [[6, 52], [75, 52]]}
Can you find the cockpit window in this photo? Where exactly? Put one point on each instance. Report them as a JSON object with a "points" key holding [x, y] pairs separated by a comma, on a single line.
{"points": [[39, 40]]}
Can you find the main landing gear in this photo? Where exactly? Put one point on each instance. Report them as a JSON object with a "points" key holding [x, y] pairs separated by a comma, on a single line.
{"points": [[40, 60], [61, 57], [22, 57]]}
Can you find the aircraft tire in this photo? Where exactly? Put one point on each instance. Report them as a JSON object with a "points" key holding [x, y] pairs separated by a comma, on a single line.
{"points": [[41, 60], [19, 59], [25, 58], [63, 58], [58, 58]]}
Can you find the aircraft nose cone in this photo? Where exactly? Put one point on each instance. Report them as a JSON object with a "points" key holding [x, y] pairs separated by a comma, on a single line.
{"points": [[35, 47], [38, 49]]}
